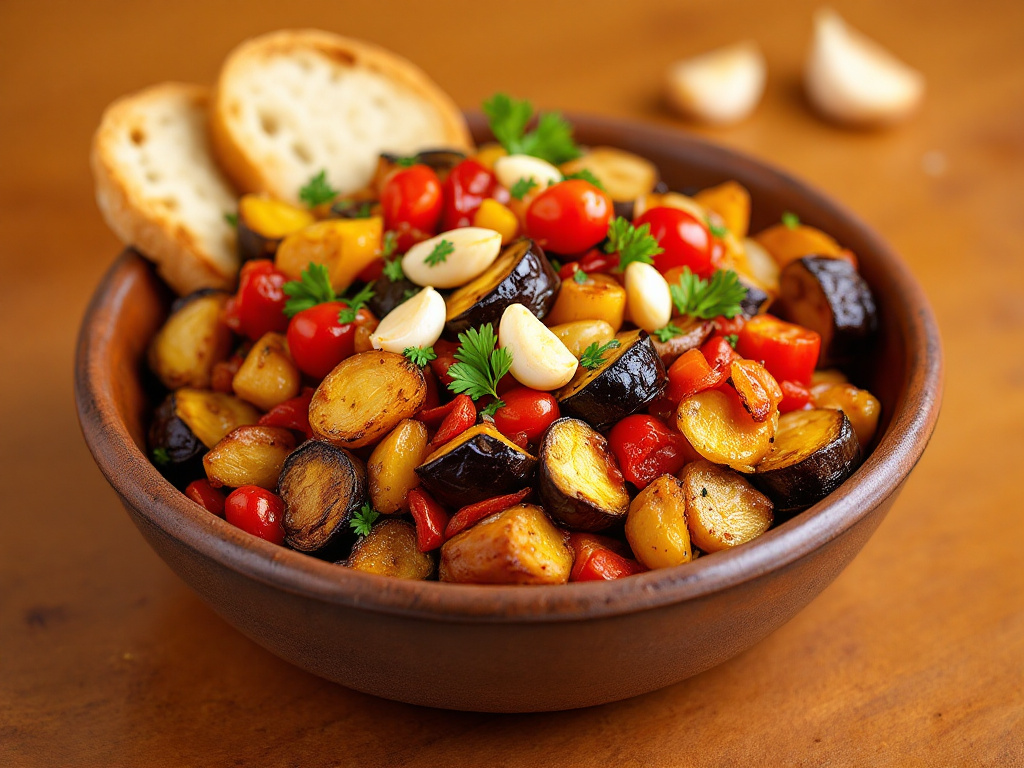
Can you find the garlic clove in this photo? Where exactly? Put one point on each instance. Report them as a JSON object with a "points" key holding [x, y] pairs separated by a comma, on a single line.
{"points": [[851, 79], [539, 358], [417, 322], [471, 251], [648, 298], [512, 168], [719, 87]]}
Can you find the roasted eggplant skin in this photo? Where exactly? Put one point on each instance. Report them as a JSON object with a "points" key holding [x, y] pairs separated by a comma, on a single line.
{"points": [[623, 385], [441, 160], [529, 279], [171, 438], [388, 294], [756, 300], [474, 466]]}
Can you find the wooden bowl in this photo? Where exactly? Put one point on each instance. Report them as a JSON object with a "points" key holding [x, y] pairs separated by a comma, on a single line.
{"points": [[520, 649]]}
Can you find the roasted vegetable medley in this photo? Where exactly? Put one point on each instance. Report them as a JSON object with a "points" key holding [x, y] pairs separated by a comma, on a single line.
{"points": [[532, 365]]}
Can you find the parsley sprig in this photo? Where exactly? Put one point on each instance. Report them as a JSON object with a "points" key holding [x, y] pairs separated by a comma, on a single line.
{"points": [[593, 356], [440, 253], [313, 288], [231, 218], [706, 299], [480, 365], [363, 520], [716, 229], [420, 355], [357, 302], [161, 456], [551, 140], [668, 332], [790, 220], [522, 187], [579, 276], [586, 175], [393, 270], [631, 243], [388, 243], [317, 191]]}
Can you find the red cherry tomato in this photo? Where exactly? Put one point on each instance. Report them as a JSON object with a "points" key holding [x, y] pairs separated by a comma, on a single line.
{"points": [[686, 240], [445, 351], [258, 306], [526, 410], [647, 449], [318, 342], [412, 202], [569, 217], [467, 186], [788, 351], [206, 496], [795, 397], [257, 511]]}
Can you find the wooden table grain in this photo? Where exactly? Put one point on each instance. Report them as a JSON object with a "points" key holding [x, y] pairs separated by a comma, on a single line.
{"points": [[914, 656]]}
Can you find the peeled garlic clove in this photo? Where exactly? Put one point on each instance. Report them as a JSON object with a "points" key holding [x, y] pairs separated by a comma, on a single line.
{"points": [[472, 250], [512, 168], [719, 87], [417, 322], [853, 80], [648, 298], [539, 359]]}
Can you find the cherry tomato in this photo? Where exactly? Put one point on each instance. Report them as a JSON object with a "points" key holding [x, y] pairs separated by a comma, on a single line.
{"points": [[445, 351], [686, 240], [412, 203], [206, 496], [468, 185], [318, 342], [647, 449], [526, 410], [795, 397], [257, 511], [788, 351], [569, 217], [258, 306]]}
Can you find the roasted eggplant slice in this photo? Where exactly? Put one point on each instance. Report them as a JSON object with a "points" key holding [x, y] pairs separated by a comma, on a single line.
{"points": [[517, 546], [814, 452], [631, 376], [390, 550], [263, 222], [581, 484], [192, 341], [755, 301], [250, 455], [829, 296], [693, 333], [322, 488], [388, 294], [522, 274], [476, 465], [722, 509]]}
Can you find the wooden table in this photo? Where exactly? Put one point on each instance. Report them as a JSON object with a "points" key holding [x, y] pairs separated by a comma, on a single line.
{"points": [[914, 656]]}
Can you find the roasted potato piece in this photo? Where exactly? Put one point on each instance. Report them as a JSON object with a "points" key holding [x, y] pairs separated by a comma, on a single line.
{"points": [[391, 470], [211, 415], [580, 334], [624, 175], [722, 509], [599, 298], [860, 406], [719, 429], [656, 526], [390, 550], [731, 201], [344, 246], [365, 397], [268, 376], [264, 221], [191, 342], [517, 546], [249, 455]]}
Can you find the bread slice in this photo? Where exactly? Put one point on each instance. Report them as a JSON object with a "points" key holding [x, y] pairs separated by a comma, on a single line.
{"points": [[160, 189], [292, 103]]}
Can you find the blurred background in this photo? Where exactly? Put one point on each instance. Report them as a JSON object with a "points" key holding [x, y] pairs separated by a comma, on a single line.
{"points": [[912, 657]]}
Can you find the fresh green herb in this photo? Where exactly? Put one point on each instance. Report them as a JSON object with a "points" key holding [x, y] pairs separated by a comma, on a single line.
{"points": [[317, 191], [721, 295], [313, 288], [393, 270], [231, 218], [161, 457], [420, 355], [440, 253], [551, 140], [579, 276], [408, 293], [670, 331], [585, 175], [389, 243], [593, 356], [492, 408], [362, 521], [791, 220], [357, 302], [555, 264], [732, 338], [480, 365], [522, 187], [703, 491], [364, 211], [407, 162], [716, 229], [632, 244]]}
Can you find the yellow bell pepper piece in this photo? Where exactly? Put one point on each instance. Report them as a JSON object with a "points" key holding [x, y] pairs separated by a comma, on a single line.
{"points": [[493, 215], [344, 246]]}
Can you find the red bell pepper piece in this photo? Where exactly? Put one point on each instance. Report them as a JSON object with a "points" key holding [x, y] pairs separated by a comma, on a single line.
{"points": [[258, 305], [520, 438], [795, 397], [719, 353], [291, 414], [431, 520], [466, 187], [222, 377], [461, 417], [595, 260], [600, 558], [206, 496], [371, 271], [445, 351], [788, 351], [692, 373], [474, 513], [647, 449]]}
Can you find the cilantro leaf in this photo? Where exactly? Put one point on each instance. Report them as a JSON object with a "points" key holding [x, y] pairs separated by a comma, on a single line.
{"points": [[231, 218], [313, 288], [706, 299], [161, 457], [317, 191], [716, 229], [593, 356], [420, 355], [551, 140], [790, 220], [670, 331], [363, 520], [522, 187], [388, 243], [585, 175], [631, 243], [579, 276], [440, 253], [357, 302], [480, 365], [393, 270]]}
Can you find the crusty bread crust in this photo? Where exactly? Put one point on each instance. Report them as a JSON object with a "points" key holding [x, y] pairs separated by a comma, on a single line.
{"points": [[381, 82], [159, 188]]}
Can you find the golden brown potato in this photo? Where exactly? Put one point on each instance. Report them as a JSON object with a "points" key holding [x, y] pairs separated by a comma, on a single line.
{"points": [[365, 397], [191, 342], [722, 509], [391, 469], [390, 550], [211, 415], [249, 455], [860, 406], [517, 546], [624, 175], [721, 431], [268, 376], [580, 334], [731, 201], [656, 526]]}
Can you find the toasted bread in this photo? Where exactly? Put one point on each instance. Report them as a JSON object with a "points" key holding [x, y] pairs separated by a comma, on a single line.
{"points": [[160, 189], [292, 103]]}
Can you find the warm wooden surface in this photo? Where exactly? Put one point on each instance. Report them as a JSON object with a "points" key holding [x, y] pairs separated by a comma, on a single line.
{"points": [[915, 656]]}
